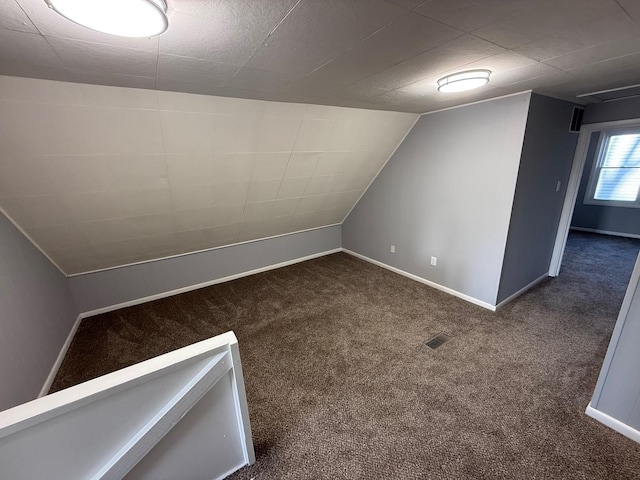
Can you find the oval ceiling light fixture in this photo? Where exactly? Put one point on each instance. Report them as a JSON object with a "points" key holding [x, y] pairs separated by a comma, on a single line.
{"points": [[463, 81], [125, 18]]}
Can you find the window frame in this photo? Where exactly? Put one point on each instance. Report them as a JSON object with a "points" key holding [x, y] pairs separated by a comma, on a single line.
{"points": [[594, 175]]}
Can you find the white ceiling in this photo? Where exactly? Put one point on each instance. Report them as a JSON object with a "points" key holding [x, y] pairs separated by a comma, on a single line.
{"points": [[104, 176], [358, 53]]}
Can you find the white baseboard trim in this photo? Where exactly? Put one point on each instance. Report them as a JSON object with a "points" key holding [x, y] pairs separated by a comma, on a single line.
{"points": [[437, 286], [522, 290], [138, 301], [611, 422], [56, 366], [170, 293], [605, 232]]}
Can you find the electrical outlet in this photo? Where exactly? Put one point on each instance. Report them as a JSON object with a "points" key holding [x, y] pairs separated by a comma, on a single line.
{"points": [[393, 249], [434, 261]]}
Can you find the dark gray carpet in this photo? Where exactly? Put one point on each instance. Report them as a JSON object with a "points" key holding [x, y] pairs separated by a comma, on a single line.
{"points": [[341, 386]]}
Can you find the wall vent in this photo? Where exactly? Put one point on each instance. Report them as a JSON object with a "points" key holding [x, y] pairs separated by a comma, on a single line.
{"points": [[576, 119]]}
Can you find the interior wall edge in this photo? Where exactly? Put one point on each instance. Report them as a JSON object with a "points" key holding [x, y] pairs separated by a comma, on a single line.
{"points": [[32, 241], [381, 168], [617, 390], [38, 311], [546, 160], [514, 185], [433, 194], [424, 281], [59, 359], [522, 290]]}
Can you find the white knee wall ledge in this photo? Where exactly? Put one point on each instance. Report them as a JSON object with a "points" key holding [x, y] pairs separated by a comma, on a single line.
{"points": [[106, 290], [170, 293]]}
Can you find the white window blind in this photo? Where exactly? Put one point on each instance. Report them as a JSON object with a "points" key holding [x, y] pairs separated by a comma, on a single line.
{"points": [[618, 170]]}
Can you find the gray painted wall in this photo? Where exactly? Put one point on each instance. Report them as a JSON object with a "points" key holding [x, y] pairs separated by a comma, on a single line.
{"points": [[447, 192], [36, 315], [596, 217], [111, 287], [618, 390], [547, 157], [610, 111]]}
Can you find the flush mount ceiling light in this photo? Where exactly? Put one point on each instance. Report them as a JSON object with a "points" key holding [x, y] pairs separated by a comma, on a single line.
{"points": [[462, 81], [126, 18]]}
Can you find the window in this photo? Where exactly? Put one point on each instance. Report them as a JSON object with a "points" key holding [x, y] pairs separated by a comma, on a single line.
{"points": [[615, 179]]}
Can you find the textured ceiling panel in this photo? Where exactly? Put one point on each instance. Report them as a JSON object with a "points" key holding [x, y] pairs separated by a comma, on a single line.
{"points": [[105, 176], [469, 15], [542, 18], [376, 54], [104, 59], [336, 24]]}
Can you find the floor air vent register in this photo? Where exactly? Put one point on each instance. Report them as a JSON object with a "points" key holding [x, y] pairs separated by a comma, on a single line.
{"points": [[439, 340]]}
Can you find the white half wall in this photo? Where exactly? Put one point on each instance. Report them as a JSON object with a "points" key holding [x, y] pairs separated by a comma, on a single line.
{"points": [[117, 287], [179, 415], [616, 399]]}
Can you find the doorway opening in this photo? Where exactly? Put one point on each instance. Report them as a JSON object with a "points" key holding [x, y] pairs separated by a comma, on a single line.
{"points": [[601, 218]]}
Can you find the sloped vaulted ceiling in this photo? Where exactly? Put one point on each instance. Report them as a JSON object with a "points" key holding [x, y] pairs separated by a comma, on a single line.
{"points": [[104, 176]]}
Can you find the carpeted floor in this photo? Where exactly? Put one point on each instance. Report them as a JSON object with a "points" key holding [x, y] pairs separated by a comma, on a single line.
{"points": [[341, 386]]}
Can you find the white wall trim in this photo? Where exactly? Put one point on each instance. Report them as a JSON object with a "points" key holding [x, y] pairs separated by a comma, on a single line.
{"points": [[170, 293], [605, 232], [614, 424], [522, 290], [201, 251], [437, 286], [476, 102], [63, 352]]}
